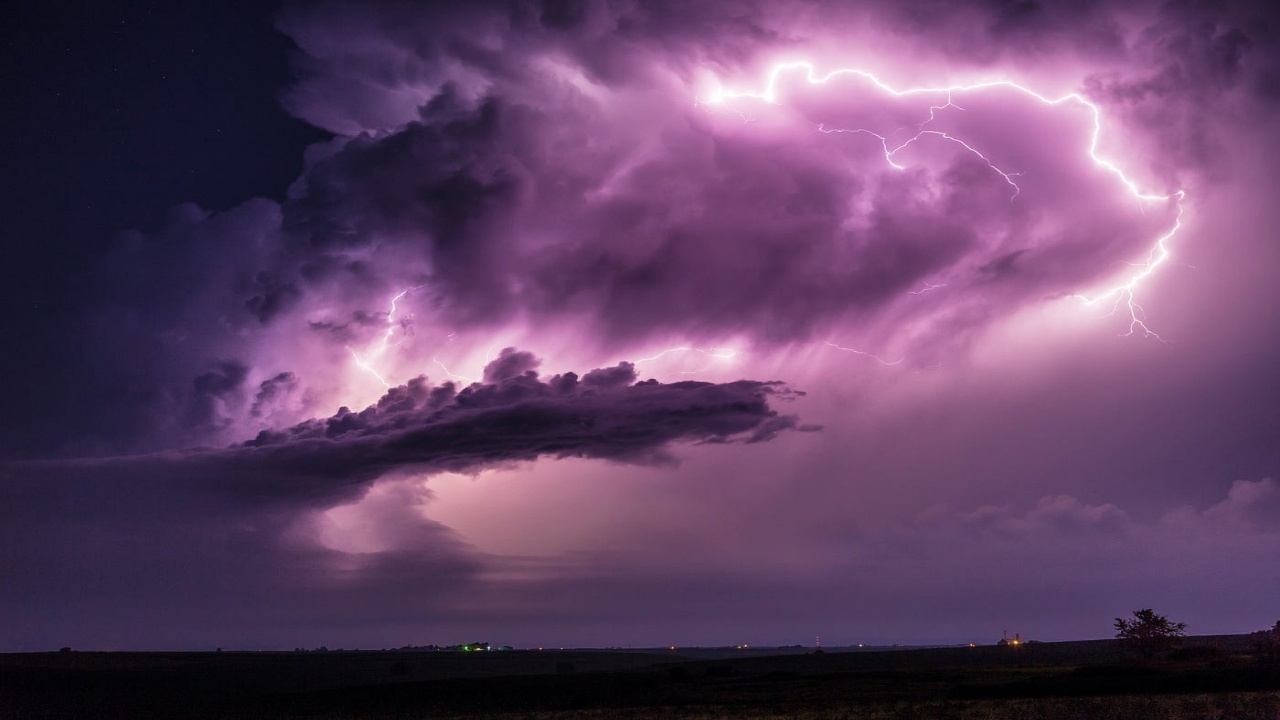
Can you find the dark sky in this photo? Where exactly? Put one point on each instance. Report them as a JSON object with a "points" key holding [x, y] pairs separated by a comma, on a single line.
{"points": [[365, 324], [113, 115]]}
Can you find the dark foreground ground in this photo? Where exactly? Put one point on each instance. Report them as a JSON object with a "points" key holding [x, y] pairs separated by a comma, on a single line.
{"points": [[1212, 677]]}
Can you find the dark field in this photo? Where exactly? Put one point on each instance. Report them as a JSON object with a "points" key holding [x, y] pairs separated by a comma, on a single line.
{"points": [[1209, 678]]}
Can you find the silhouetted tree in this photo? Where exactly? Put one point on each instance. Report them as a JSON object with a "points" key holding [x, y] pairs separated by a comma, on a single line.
{"points": [[1149, 633], [1267, 644]]}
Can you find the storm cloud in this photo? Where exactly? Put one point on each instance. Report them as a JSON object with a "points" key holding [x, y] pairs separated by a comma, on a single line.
{"points": [[552, 174], [200, 520], [511, 416], [1017, 255]]}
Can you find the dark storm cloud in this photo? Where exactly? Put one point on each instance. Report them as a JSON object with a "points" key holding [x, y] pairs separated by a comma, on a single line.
{"points": [[213, 392], [272, 295], [512, 416], [987, 31], [161, 350], [500, 160], [543, 166], [1191, 56], [545, 170], [365, 65], [712, 235], [453, 183], [272, 391], [217, 531], [351, 330], [705, 234]]}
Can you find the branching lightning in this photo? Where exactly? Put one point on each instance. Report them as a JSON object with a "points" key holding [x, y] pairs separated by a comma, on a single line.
{"points": [[890, 152], [1121, 294], [363, 365], [384, 342]]}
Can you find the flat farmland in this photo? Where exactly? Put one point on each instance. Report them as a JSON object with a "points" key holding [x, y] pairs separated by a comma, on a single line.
{"points": [[1209, 678]]}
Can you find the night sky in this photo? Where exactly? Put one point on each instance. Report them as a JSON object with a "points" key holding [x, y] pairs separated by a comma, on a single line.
{"points": [[637, 323]]}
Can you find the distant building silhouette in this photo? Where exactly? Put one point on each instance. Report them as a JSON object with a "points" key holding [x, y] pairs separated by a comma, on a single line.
{"points": [[1005, 641]]}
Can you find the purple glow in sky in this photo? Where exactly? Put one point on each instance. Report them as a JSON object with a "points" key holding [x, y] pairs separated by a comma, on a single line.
{"points": [[650, 323]]}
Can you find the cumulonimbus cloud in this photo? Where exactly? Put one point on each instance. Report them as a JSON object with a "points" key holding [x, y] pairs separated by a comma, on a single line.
{"points": [[566, 173], [549, 170]]}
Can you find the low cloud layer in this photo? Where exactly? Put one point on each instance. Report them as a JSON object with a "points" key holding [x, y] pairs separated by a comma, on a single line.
{"points": [[511, 416], [186, 523]]}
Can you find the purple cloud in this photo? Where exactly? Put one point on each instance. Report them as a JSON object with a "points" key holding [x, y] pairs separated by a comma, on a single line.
{"points": [[596, 181], [540, 172], [511, 416], [241, 514]]}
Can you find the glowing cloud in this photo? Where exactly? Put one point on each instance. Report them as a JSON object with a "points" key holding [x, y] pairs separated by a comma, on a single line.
{"points": [[943, 99], [384, 342]]}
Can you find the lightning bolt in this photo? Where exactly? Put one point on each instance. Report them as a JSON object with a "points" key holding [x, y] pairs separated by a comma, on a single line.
{"points": [[383, 343], [453, 374], [713, 353], [488, 356], [864, 353], [890, 152], [364, 365], [1123, 293], [927, 287]]}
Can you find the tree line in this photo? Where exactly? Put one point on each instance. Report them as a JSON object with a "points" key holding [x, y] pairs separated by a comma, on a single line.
{"points": [[1148, 634]]}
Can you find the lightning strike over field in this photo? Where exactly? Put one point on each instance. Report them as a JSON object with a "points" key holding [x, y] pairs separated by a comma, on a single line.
{"points": [[918, 280], [1122, 293]]}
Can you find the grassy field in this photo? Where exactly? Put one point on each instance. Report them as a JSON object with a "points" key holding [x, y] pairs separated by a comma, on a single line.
{"points": [[1211, 678]]}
